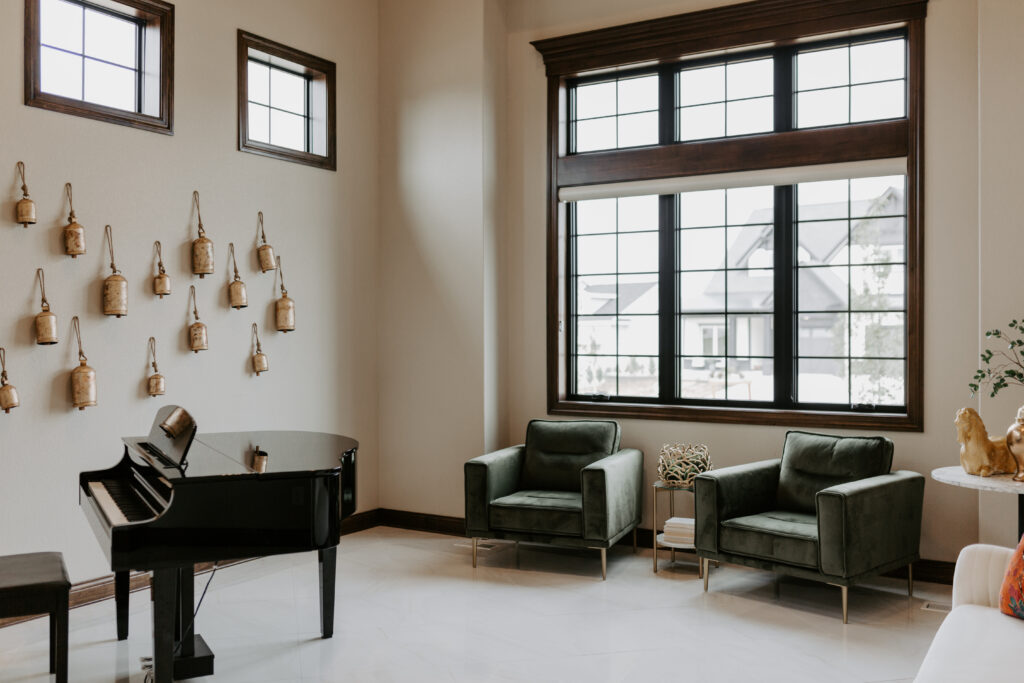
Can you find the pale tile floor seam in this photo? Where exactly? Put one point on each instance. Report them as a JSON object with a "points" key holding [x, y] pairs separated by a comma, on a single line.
{"points": [[411, 608]]}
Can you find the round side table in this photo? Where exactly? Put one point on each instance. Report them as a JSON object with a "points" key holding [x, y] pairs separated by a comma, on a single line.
{"points": [[659, 539], [999, 483]]}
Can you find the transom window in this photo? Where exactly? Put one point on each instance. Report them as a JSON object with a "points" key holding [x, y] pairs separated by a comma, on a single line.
{"points": [[286, 103], [90, 54], [278, 106], [103, 59], [744, 246]]}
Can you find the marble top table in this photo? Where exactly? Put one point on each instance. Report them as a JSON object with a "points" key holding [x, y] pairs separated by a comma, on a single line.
{"points": [[998, 483]]}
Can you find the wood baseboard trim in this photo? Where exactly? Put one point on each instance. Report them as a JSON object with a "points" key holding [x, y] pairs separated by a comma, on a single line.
{"points": [[102, 588]]}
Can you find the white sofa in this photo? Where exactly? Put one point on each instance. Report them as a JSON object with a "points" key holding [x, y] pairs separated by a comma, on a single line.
{"points": [[976, 642]]}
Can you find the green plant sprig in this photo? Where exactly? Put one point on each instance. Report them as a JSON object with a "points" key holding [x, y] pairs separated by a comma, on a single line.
{"points": [[1008, 367]]}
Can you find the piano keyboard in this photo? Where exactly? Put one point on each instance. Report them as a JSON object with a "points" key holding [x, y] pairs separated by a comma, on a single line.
{"points": [[119, 502]]}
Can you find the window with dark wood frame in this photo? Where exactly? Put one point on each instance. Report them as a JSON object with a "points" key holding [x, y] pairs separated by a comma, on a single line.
{"points": [[312, 107], [152, 67], [781, 30]]}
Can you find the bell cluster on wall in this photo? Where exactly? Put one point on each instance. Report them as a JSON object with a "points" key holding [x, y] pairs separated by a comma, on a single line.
{"points": [[83, 382]]}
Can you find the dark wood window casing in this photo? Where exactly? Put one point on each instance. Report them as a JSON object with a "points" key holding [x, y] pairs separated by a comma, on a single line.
{"points": [[729, 30], [155, 88], [321, 99]]}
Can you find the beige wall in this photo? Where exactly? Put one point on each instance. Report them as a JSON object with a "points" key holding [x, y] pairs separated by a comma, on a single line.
{"points": [[1001, 204], [951, 251], [323, 376], [439, 347]]}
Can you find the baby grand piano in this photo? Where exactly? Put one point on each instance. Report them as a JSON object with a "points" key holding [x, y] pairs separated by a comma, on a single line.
{"points": [[178, 498]]}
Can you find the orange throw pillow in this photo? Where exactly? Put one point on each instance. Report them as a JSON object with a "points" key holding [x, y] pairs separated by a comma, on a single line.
{"points": [[1011, 595]]}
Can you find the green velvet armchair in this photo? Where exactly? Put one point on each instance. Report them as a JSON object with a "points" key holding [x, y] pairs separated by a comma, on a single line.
{"points": [[569, 485], [829, 510]]}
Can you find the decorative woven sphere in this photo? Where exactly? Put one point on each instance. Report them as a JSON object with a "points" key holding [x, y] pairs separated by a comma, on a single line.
{"points": [[678, 463]]}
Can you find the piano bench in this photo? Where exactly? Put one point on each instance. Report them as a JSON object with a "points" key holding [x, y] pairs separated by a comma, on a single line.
{"points": [[37, 583]]}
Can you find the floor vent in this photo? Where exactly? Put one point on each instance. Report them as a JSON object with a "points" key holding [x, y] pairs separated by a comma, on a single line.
{"points": [[930, 606]]}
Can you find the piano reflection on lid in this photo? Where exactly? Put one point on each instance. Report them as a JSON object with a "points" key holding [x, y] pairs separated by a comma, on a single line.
{"points": [[178, 498]]}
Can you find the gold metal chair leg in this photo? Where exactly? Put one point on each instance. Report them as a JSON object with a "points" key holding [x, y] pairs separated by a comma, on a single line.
{"points": [[475, 539], [634, 540], [604, 564], [846, 592], [910, 579], [707, 573]]}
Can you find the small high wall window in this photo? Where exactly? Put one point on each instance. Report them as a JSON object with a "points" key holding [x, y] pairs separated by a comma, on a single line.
{"points": [[103, 59], [286, 103]]}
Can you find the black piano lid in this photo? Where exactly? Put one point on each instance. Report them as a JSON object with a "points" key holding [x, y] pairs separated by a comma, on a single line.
{"points": [[231, 453]]}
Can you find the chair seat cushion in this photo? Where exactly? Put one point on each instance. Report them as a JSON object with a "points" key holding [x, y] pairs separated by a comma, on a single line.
{"points": [[778, 535], [549, 512]]}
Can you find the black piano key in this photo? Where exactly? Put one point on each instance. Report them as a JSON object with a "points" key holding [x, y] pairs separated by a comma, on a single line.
{"points": [[127, 500]]}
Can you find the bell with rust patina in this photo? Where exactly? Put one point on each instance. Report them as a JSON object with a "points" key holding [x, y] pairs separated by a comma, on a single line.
{"points": [[161, 281], [260, 362], [8, 394], [115, 287], [83, 378], [202, 247], [197, 339], [265, 252], [284, 308], [237, 296], [46, 322], [25, 211], [74, 234], [155, 385]]}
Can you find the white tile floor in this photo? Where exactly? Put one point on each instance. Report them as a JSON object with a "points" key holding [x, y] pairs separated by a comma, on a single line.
{"points": [[411, 608]]}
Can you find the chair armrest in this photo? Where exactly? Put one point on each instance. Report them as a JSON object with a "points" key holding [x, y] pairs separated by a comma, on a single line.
{"points": [[612, 489], [730, 492], [489, 477], [979, 573], [868, 523]]}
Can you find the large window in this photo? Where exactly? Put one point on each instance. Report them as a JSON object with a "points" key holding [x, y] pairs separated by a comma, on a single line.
{"points": [[735, 231], [286, 103], [103, 59]]}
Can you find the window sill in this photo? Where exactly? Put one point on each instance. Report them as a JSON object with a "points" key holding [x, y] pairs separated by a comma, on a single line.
{"points": [[99, 112], [902, 422], [286, 154]]}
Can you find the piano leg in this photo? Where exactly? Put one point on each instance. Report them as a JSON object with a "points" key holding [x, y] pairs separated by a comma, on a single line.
{"points": [[328, 570], [164, 588], [184, 632], [121, 585]]}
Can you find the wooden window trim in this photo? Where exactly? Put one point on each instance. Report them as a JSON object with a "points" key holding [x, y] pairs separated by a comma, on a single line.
{"points": [[155, 13], [761, 23], [247, 41]]}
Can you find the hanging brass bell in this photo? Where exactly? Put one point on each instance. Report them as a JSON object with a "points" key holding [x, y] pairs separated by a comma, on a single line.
{"points": [[202, 247], [260, 362], [115, 287], [46, 322], [237, 296], [46, 327], [265, 252], [155, 385], [197, 338], [259, 460], [8, 394], [161, 281], [284, 308], [83, 378], [25, 211], [74, 234], [83, 386]]}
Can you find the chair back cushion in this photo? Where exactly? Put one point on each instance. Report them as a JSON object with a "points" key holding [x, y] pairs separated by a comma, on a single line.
{"points": [[557, 450], [812, 462]]}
